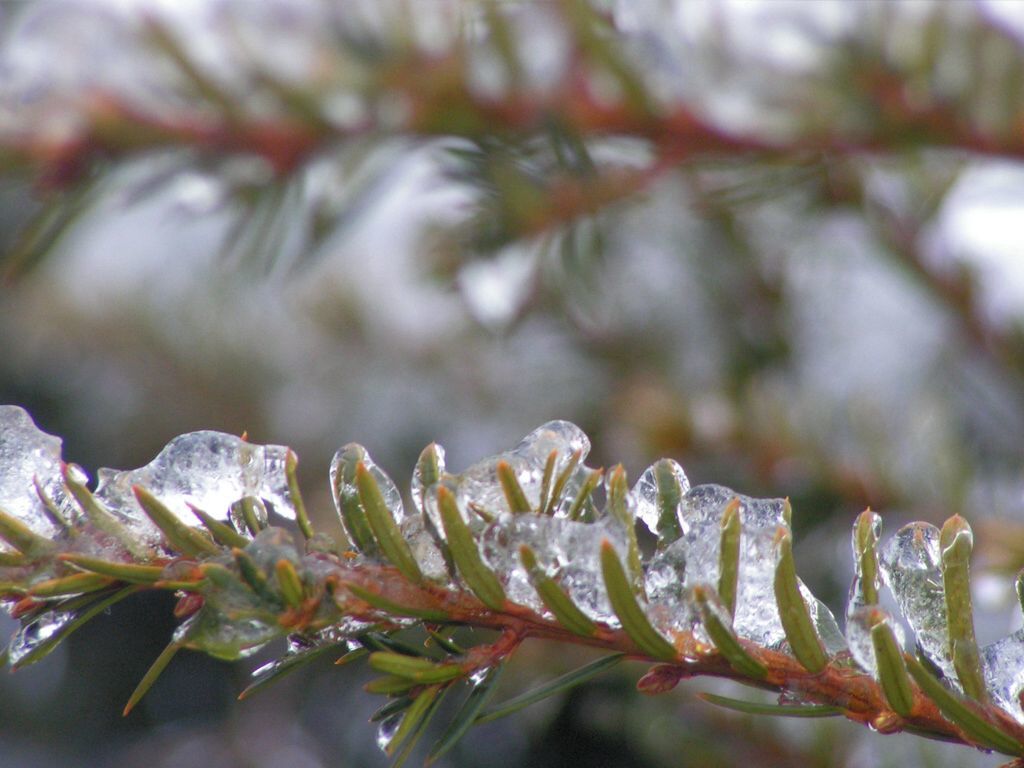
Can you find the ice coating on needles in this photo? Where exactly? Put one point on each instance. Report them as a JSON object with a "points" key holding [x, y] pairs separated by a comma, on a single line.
{"points": [[411, 525], [911, 566], [857, 597], [208, 470], [695, 559], [648, 499], [1003, 666], [859, 624], [29, 456], [479, 485], [567, 551], [419, 486]]}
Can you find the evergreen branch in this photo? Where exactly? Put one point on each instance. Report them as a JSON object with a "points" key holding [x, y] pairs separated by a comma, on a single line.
{"points": [[580, 592]]}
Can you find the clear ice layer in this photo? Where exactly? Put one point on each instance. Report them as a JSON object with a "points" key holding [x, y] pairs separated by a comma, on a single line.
{"points": [[756, 617], [824, 621], [857, 599], [911, 566], [695, 559], [208, 470], [858, 636], [647, 500], [419, 487], [225, 636], [424, 549], [670, 604], [479, 485], [567, 551], [1003, 665], [29, 456], [344, 490]]}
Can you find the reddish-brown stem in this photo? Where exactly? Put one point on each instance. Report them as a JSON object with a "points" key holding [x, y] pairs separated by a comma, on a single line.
{"points": [[839, 684]]}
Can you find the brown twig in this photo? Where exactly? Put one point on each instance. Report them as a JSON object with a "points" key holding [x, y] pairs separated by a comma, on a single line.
{"points": [[857, 694]]}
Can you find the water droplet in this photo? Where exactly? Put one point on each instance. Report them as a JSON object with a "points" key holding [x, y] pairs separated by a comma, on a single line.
{"points": [[387, 729], [37, 632]]}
